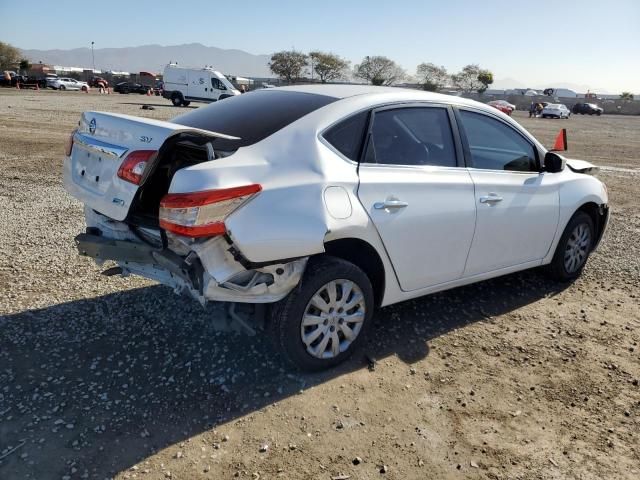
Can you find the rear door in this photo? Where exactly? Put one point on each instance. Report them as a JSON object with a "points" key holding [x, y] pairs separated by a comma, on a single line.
{"points": [[518, 207], [417, 194]]}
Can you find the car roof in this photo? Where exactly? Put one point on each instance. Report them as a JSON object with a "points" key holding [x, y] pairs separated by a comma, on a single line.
{"points": [[392, 94]]}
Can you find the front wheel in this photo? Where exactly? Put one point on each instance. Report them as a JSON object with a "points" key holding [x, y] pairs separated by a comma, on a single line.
{"points": [[573, 249], [326, 317]]}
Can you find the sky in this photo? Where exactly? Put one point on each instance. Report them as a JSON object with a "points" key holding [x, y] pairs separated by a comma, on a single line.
{"points": [[534, 43]]}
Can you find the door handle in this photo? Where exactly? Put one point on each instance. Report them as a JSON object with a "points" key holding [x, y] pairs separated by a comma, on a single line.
{"points": [[390, 204], [491, 198]]}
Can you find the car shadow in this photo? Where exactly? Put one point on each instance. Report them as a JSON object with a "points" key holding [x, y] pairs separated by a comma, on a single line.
{"points": [[97, 385], [168, 105]]}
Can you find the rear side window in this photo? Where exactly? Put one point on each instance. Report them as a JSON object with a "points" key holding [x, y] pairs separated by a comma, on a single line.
{"points": [[347, 136], [253, 116], [496, 146]]}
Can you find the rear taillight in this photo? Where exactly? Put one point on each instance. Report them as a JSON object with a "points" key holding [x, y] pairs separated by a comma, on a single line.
{"points": [[202, 214], [133, 166], [68, 146]]}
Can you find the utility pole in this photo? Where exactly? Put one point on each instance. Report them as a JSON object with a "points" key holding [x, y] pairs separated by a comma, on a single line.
{"points": [[93, 59]]}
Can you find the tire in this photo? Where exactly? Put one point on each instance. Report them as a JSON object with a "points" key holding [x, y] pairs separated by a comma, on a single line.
{"points": [[286, 316], [62, 87], [577, 242], [599, 113], [185, 103], [177, 99]]}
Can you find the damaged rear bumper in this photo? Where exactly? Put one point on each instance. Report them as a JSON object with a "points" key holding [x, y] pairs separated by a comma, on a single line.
{"points": [[206, 270]]}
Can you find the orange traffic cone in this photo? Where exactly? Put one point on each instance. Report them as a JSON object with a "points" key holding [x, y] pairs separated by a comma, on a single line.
{"points": [[561, 141]]}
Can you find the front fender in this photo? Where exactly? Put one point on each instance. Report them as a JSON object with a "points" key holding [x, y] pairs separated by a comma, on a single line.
{"points": [[579, 190]]}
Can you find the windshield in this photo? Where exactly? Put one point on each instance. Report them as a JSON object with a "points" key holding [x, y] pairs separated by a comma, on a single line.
{"points": [[253, 116]]}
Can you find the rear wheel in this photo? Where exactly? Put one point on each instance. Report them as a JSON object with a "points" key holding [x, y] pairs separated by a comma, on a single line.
{"points": [[62, 87], [573, 249], [326, 317], [185, 103], [177, 99]]}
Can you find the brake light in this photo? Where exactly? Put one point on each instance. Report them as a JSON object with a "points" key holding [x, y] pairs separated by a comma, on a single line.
{"points": [[202, 214], [68, 146], [133, 166]]}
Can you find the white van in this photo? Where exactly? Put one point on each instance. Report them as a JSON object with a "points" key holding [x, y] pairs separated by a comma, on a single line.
{"points": [[185, 85]]}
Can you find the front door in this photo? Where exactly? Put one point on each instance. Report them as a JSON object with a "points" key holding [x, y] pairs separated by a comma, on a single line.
{"points": [[419, 198], [517, 206]]}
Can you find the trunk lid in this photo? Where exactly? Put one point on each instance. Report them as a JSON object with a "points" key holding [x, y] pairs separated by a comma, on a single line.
{"points": [[102, 142]]}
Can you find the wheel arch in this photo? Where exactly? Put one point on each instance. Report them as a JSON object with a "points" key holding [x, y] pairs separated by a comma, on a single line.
{"points": [[599, 215], [362, 254]]}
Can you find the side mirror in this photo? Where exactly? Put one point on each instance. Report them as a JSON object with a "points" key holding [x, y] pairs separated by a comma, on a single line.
{"points": [[553, 163]]}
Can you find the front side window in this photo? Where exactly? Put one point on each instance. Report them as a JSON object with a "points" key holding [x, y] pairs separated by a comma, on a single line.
{"points": [[496, 146], [347, 136], [412, 136]]}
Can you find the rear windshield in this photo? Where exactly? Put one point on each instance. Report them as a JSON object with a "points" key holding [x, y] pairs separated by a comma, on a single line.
{"points": [[252, 116]]}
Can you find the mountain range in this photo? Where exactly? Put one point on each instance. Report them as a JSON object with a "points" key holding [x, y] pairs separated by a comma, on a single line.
{"points": [[153, 58]]}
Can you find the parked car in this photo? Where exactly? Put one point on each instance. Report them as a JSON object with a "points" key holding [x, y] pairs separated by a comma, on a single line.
{"points": [[63, 83], [503, 106], [185, 85], [587, 108], [555, 110], [131, 87], [98, 82], [327, 201], [11, 79]]}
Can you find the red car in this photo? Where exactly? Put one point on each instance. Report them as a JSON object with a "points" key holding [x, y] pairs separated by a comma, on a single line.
{"points": [[503, 106]]}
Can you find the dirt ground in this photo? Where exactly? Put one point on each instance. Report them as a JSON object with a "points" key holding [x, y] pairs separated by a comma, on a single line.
{"points": [[513, 378]]}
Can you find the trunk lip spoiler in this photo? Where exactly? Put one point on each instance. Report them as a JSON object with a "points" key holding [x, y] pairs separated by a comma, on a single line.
{"points": [[175, 127], [98, 145]]}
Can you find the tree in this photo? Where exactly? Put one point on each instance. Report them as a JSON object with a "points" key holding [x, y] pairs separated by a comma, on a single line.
{"points": [[472, 79], [9, 56], [25, 65], [432, 77], [328, 66], [485, 77], [288, 64], [626, 96], [379, 70]]}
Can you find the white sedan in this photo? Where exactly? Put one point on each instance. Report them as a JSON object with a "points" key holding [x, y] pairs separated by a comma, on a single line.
{"points": [[67, 84], [556, 110], [327, 202]]}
